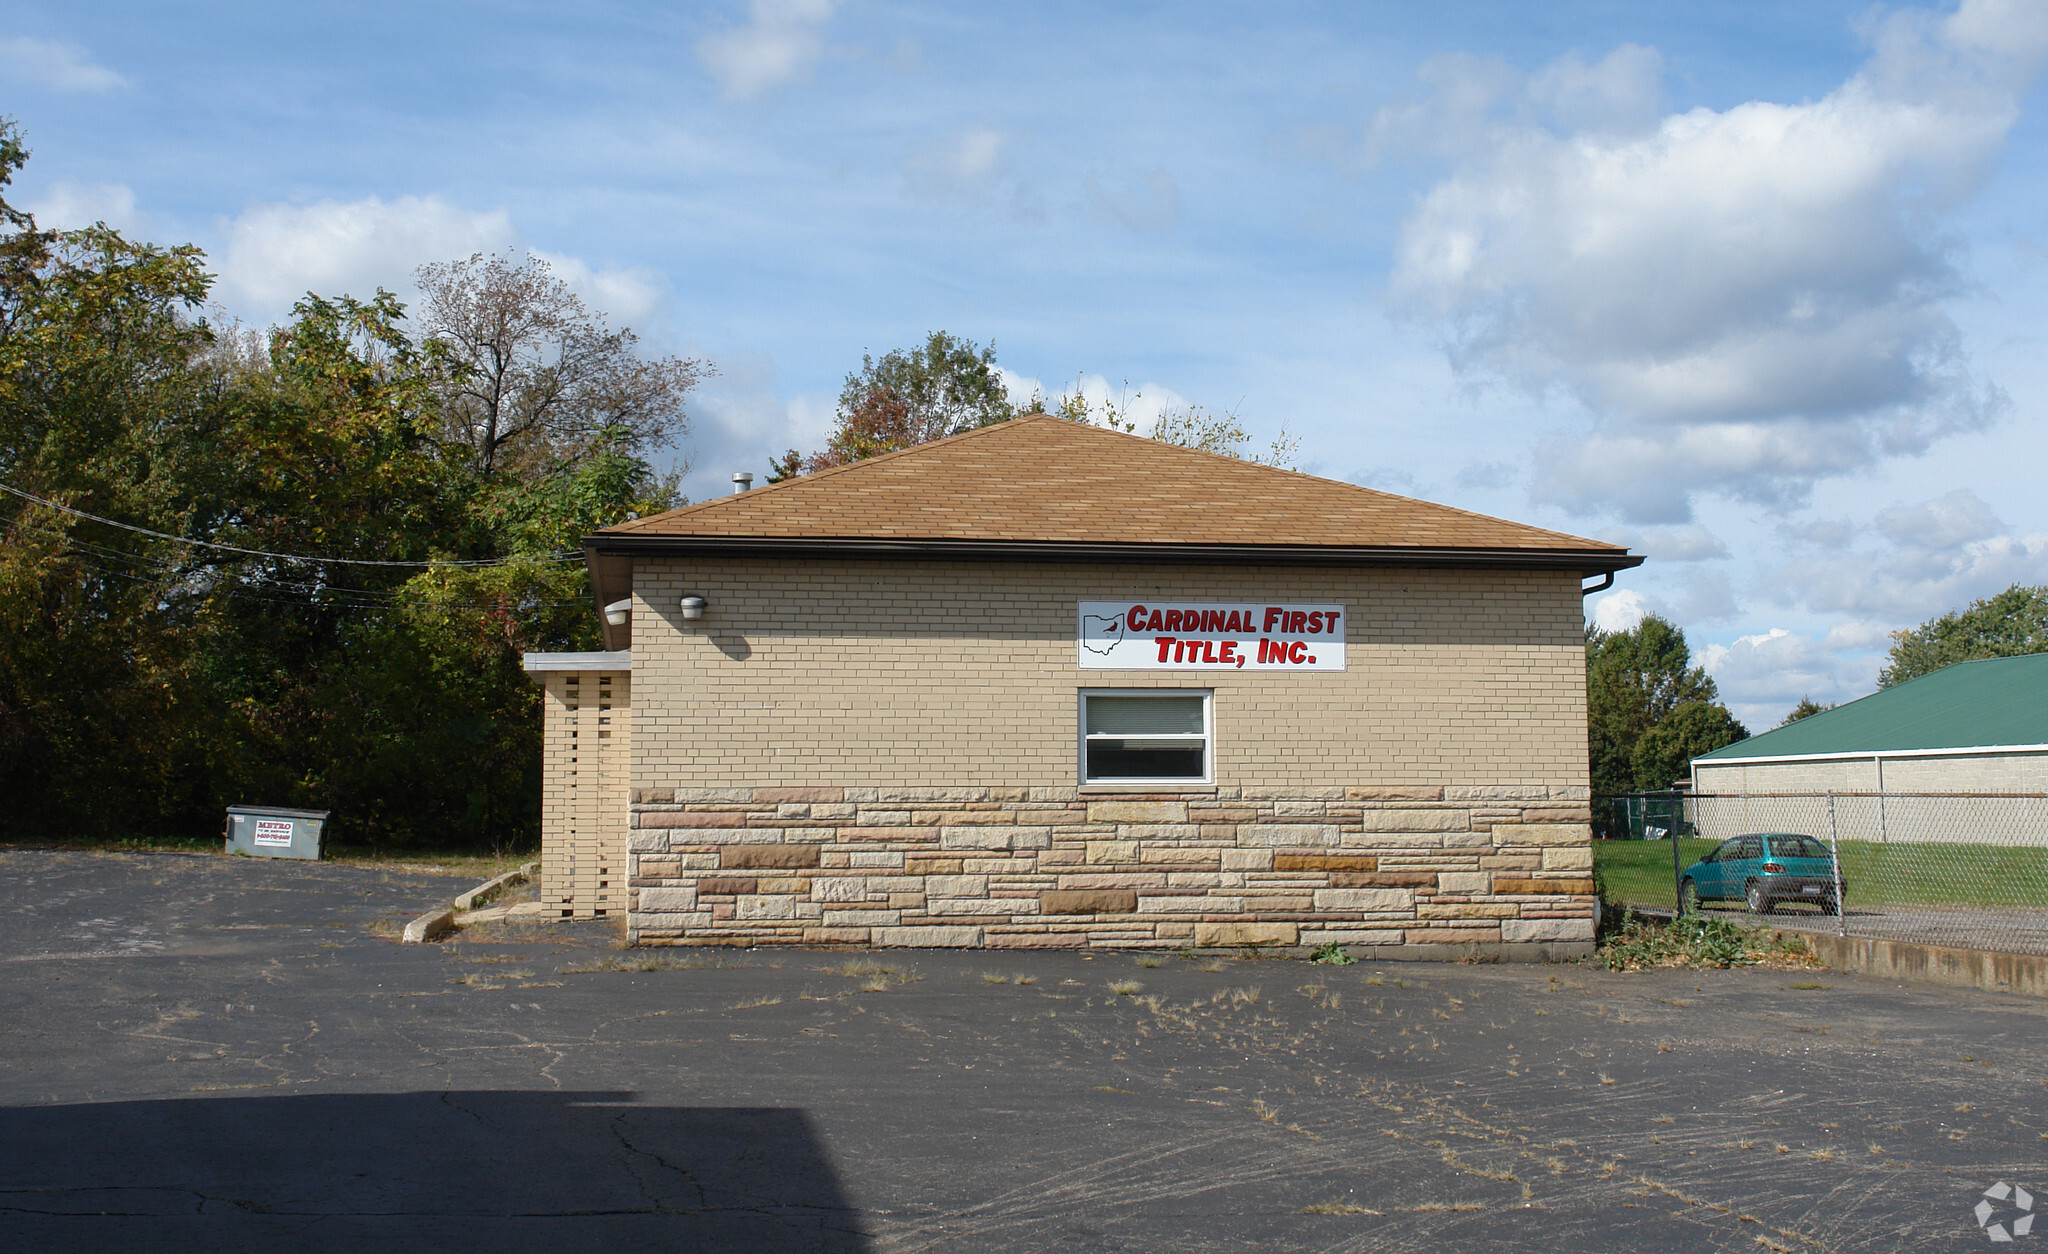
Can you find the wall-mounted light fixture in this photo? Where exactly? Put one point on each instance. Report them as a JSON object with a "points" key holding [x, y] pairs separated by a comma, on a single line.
{"points": [[619, 611], [693, 607]]}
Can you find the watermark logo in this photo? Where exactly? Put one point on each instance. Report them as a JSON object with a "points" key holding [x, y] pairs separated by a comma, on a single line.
{"points": [[2005, 1211]]}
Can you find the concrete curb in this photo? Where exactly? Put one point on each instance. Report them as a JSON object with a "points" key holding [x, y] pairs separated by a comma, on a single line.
{"points": [[429, 927], [2024, 975], [490, 888]]}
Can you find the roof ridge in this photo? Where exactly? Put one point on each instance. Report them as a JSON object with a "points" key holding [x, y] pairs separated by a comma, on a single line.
{"points": [[1152, 445], [816, 475]]}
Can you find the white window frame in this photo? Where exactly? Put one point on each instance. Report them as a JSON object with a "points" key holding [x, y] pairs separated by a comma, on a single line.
{"points": [[1208, 779]]}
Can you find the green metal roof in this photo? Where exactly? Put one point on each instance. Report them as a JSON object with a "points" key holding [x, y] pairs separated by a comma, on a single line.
{"points": [[1996, 701]]}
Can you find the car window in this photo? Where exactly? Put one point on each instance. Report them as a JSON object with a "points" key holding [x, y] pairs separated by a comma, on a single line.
{"points": [[1748, 847], [1722, 852], [1798, 847]]}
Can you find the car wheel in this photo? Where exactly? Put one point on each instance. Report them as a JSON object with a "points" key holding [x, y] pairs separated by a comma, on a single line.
{"points": [[1829, 905], [1759, 902], [1688, 896]]}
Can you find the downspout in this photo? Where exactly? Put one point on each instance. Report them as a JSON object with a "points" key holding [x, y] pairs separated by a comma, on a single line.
{"points": [[1606, 582]]}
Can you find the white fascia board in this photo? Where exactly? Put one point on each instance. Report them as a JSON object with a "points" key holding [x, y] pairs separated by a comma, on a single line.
{"points": [[539, 663], [1868, 754]]}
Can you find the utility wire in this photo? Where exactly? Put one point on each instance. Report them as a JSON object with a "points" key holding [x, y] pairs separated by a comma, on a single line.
{"points": [[327, 602], [286, 557], [170, 568]]}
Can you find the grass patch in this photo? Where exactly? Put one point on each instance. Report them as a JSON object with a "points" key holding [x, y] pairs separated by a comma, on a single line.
{"points": [[1333, 954], [992, 977], [1150, 960], [1126, 988], [867, 966], [1638, 872], [1700, 941], [638, 962], [1339, 1208]]}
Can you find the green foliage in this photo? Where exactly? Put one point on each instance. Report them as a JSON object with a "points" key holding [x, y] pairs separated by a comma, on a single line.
{"points": [[1806, 708], [1333, 955], [1663, 754], [1696, 940], [146, 682], [1637, 681], [2007, 625], [944, 387]]}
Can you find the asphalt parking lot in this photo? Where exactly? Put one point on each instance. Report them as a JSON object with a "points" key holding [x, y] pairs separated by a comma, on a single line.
{"points": [[203, 1053]]}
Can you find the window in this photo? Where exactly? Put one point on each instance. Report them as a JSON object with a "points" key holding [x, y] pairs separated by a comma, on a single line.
{"points": [[1145, 737]]}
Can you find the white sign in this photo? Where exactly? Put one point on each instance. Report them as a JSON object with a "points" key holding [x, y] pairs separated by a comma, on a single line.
{"points": [[274, 832], [1210, 636]]}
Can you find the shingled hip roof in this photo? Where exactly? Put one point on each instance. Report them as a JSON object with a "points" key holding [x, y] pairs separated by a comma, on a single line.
{"points": [[1048, 488]]}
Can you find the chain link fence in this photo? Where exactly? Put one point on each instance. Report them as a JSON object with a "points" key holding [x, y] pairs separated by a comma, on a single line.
{"points": [[1968, 870]]}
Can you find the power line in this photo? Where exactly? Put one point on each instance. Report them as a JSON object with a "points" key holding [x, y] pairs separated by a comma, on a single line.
{"points": [[284, 557], [330, 602], [167, 568]]}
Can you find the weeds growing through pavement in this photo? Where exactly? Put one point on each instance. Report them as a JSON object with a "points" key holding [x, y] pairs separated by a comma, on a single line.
{"points": [[638, 962], [1126, 988], [1697, 941], [1149, 960]]}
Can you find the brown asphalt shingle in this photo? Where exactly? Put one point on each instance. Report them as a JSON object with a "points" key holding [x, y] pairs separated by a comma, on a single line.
{"points": [[1046, 479]]}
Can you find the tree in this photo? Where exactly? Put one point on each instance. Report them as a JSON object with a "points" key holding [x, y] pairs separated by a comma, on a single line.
{"points": [[1806, 708], [2007, 625], [944, 387], [1664, 753], [1636, 681], [1184, 426], [529, 373]]}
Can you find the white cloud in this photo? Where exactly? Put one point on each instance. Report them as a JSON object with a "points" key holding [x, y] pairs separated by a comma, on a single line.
{"points": [[1688, 542], [1761, 677], [65, 67], [779, 45], [276, 253], [1943, 554], [625, 296], [1620, 610], [66, 206], [1752, 295]]}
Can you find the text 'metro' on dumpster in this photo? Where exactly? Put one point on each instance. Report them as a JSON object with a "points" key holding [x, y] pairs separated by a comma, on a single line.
{"points": [[270, 832]]}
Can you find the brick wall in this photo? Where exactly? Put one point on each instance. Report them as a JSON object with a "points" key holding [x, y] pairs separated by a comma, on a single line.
{"points": [[885, 753]]}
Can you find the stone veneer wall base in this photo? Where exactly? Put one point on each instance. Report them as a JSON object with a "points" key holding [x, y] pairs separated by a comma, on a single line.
{"points": [[1486, 872]]}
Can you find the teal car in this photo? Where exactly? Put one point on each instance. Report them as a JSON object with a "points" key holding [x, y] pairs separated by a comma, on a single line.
{"points": [[1764, 870]]}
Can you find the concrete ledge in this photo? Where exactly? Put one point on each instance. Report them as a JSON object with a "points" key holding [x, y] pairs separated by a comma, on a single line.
{"points": [[429, 927], [2023, 974], [484, 892]]}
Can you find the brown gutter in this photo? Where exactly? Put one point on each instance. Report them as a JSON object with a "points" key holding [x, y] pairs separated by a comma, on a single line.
{"points": [[1586, 561]]}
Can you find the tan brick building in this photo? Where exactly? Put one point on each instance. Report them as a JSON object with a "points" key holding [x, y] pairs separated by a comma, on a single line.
{"points": [[1047, 685]]}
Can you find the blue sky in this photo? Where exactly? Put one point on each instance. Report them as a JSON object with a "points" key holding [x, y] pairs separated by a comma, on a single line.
{"points": [[1755, 288]]}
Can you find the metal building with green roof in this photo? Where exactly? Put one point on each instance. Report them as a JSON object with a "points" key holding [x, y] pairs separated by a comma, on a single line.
{"points": [[1972, 727]]}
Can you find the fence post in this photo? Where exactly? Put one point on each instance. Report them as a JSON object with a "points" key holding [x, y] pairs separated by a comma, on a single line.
{"points": [[1677, 876], [1835, 850]]}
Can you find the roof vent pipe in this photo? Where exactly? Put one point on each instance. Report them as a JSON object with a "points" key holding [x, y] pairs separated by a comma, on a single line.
{"points": [[618, 611], [742, 480]]}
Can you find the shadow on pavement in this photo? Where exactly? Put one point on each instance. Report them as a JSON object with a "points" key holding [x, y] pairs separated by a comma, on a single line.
{"points": [[506, 1171]]}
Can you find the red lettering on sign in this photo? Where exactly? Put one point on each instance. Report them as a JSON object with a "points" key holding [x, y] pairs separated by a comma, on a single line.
{"points": [[1273, 614], [1330, 621], [1173, 620], [1296, 652], [1315, 622], [1228, 653], [1135, 620], [1296, 621], [1165, 643], [1209, 653]]}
